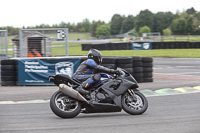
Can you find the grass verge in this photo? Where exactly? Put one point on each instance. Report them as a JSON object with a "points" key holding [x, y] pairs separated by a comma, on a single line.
{"points": [[75, 49]]}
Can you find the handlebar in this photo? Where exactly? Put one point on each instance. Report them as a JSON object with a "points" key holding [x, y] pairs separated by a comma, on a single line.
{"points": [[122, 73]]}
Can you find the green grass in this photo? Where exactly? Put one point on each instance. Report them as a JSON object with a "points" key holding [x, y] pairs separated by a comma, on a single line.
{"points": [[176, 53], [75, 49], [75, 36]]}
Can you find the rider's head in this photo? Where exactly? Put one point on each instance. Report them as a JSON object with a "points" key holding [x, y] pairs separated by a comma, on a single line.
{"points": [[95, 55]]}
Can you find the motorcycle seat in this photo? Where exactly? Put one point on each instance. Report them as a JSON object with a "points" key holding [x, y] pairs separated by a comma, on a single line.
{"points": [[66, 78]]}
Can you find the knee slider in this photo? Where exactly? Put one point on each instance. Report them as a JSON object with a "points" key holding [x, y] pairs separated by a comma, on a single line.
{"points": [[96, 77]]}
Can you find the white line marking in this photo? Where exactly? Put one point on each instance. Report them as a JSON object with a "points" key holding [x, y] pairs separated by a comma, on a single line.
{"points": [[172, 94], [47, 101], [25, 102], [181, 74]]}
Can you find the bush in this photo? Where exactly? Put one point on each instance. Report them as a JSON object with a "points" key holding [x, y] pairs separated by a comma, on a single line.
{"points": [[144, 29], [167, 32], [103, 30]]}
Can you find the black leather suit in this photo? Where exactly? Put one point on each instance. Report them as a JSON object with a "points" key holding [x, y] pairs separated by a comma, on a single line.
{"points": [[87, 71]]}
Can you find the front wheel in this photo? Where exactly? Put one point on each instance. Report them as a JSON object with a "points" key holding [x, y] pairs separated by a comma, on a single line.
{"points": [[64, 106], [132, 107]]}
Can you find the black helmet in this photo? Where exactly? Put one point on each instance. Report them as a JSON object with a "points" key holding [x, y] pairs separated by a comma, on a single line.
{"points": [[95, 55]]}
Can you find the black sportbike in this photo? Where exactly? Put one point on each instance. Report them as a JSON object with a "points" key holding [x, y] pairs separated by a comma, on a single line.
{"points": [[111, 94]]}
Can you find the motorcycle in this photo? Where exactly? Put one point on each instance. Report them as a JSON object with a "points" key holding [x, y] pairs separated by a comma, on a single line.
{"points": [[111, 94]]}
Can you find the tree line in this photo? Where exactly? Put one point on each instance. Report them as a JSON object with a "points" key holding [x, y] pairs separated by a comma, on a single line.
{"points": [[167, 23]]}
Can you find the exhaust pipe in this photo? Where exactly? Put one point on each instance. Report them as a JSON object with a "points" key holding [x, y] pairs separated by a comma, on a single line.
{"points": [[71, 92]]}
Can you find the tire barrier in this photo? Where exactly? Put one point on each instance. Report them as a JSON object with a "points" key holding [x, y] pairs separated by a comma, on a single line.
{"points": [[107, 46], [125, 63], [140, 67], [9, 72], [147, 69], [155, 45], [109, 62]]}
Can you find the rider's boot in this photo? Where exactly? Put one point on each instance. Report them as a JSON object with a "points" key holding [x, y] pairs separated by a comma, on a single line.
{"points": [[87, 84], [81, 90]]}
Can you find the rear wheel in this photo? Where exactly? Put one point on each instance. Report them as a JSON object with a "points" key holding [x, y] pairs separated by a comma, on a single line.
{"points": [[64, 106], [134, 107]]}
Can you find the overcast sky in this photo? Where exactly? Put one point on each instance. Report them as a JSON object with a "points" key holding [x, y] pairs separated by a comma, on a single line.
{"points": [[20, 13]]}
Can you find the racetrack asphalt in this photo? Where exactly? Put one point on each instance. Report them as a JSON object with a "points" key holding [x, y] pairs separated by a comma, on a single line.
{"points": [[167, 112]]}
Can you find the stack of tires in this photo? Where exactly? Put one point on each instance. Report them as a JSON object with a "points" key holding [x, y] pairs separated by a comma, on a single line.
{"points": [[107, 46], [138, 69], [147, 69], [125, 63], [109, 62], [9, 72]]}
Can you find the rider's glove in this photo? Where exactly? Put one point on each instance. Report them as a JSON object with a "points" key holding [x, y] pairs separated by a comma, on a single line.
{"points": [[112, 71], [117, 72]]}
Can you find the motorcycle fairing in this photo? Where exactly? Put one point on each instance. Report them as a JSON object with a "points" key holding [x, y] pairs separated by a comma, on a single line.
{"points": [[118, 86], [96, 107]]}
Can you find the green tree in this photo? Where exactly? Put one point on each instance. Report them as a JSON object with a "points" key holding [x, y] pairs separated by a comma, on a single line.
{"points": [[62, 24], [196, 23], [189, 28], [145, 17], [144, 29], [162, 20], [43, 26], [167, 32], [78, 27], [191, 11], [86, 25], [116, 23], [127, 24], [71, 27], [94, 26], [103, 30], [11, 30], [178, 26]]}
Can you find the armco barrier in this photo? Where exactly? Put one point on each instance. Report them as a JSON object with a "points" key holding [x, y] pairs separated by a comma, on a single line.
{"points": [[35, 71], [129, 45]]}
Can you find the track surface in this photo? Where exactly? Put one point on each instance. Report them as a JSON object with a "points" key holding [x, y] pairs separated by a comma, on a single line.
{"points": [[166, 114], [172, 113]]}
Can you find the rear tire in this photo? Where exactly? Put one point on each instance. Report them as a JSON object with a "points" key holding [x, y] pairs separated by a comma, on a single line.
{"points": [[64, 106], [134, 108]]}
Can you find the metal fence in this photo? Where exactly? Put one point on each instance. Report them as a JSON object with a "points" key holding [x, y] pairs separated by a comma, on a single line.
{"points": [[3, 44], [174, 38], [41, 42], [3, 47], [190, 38]]}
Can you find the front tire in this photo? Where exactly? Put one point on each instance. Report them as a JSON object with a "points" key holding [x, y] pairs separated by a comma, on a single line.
{"points": [[137, 107], [64, 106]]}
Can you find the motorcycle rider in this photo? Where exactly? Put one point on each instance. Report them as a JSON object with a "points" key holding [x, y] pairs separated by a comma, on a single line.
{"points": [[88, 71]]}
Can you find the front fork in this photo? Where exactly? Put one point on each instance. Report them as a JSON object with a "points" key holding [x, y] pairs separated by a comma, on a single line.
{"points": [[132, 93]]}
